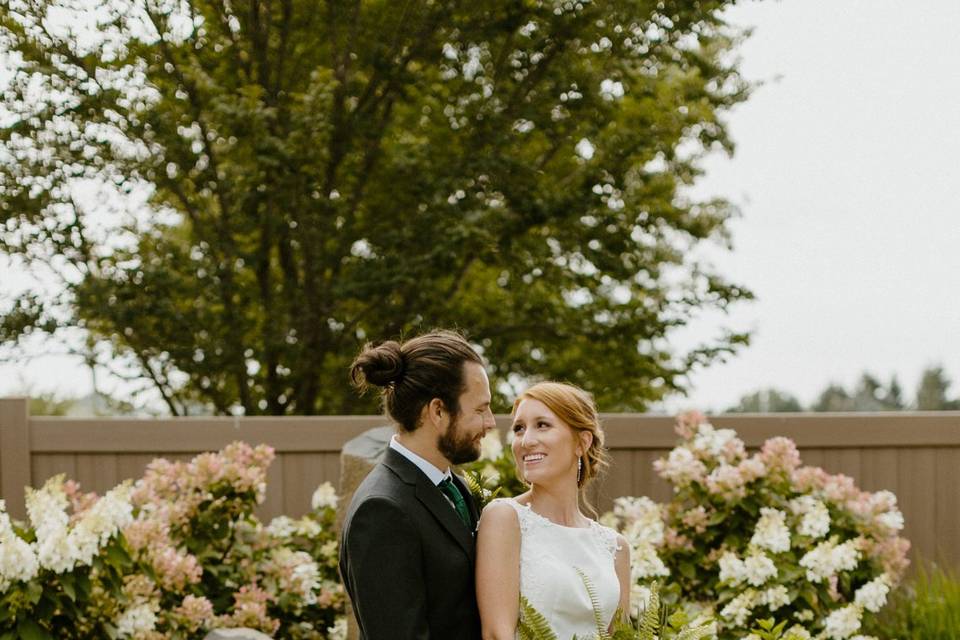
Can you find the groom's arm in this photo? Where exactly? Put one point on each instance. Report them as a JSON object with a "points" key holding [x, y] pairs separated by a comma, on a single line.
{"points": [[385, 567]]}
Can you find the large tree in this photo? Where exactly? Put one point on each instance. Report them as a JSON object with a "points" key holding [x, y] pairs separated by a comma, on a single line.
{"points": [[237, 195]]}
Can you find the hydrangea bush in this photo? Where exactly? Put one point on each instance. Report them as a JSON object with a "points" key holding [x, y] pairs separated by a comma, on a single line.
{"points": [[761, 536], [173, 556]]}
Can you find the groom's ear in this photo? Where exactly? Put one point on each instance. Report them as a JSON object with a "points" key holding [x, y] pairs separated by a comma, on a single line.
{"points": [[435, 413]]}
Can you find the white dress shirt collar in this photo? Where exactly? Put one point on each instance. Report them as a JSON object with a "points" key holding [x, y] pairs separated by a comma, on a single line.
{"points": [[435, 475]]}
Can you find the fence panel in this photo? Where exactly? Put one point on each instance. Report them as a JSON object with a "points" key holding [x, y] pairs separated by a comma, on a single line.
{"points": [[915, 455]]}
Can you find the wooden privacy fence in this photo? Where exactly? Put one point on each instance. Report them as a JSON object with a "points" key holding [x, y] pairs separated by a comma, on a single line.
{"points": [[915, 455]]}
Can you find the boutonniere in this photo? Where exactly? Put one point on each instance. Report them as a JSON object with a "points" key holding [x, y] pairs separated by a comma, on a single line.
{"points": [[482, 489]]}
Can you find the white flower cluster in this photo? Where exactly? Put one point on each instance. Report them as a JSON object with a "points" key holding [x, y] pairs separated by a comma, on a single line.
{"points": [[843, 622], [681, 467], [828, 558], [136, 620], [873, 595], [17, 559], [771, 531], [325, 496], [815, 522], [644, 531], [714, 442], [755, 569], [60, 547], [303, 573], [491, 448], [738, 610], [339, 629]]}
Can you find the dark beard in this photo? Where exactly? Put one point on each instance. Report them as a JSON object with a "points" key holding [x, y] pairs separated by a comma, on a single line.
{"points": [[456, 446]]}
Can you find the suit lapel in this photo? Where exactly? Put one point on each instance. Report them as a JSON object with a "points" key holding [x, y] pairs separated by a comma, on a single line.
{"points": [[437, 504], [434, 501]]}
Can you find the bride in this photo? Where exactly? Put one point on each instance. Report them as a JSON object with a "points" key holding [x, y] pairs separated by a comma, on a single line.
{"points": [[539, 544]]}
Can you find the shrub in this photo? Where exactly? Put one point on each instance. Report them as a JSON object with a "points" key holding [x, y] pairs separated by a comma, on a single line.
{"points": [[177, 554], [760, 536]]}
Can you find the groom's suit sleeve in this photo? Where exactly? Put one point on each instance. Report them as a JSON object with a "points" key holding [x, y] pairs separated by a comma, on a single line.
{"points": [[386, 571]]}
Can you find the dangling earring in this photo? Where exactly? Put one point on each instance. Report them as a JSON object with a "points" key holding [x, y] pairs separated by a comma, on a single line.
{"points": [[579, 469]]}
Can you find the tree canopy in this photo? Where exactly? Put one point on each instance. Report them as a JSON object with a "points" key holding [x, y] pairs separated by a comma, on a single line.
{"points": [[236, 196]]}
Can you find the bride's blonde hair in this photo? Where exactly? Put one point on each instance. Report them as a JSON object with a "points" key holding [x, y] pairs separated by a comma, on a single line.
{"points": [[576, 408]]}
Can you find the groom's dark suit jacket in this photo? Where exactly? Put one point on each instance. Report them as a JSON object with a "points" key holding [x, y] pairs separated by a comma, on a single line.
{"points": [[407, 559]]}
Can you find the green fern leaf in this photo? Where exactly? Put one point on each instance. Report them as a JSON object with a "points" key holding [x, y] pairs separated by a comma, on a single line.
{"points": [[533, 626], [697, 633], [650, 619], [602, 633]]}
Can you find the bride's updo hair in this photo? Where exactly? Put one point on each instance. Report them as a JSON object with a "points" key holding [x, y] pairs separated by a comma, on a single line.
{"points": [[412, 373], [576, 408]]}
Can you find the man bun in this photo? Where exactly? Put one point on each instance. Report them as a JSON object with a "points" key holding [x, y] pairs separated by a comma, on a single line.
{"points": [[378, 364]]}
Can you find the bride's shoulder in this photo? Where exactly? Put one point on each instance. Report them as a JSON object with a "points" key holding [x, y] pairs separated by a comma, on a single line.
{"points": [[501, 516], [501, 509], [613, 540]]}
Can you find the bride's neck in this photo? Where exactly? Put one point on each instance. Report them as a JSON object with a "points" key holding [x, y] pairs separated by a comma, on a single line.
{"points": [[559, 504]]}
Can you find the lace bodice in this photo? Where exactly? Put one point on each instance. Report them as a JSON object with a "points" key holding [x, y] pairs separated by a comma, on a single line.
{"points": [[550, 557]]}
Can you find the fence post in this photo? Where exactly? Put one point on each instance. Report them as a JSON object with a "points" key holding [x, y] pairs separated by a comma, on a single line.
{"points": [[14, 454]]}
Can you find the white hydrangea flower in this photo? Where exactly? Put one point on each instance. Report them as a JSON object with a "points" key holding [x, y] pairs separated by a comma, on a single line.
{"points": [[281, 527], [842, 623], [339, 629], [873, 595], [644, 522], [325, 496], [712, 441], [758, 568], [827, 558], [640, 595], [645, 563], [732, 569], [816, 522], [308, 528], [59, 547], [846, 556], [681, 467], [491, 448], [17, 559], [136, 620], [739, 609], [891, 519], [751, 636], [804, 616], [775, 597], [796, 632], [771, 531]]}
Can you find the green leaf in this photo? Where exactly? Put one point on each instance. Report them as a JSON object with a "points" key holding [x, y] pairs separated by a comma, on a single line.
{"points": [[30, 630]]}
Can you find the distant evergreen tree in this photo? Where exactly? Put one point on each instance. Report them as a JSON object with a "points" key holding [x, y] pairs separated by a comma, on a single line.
{"points": [[932, 391], [767, 401], [834, 398]]}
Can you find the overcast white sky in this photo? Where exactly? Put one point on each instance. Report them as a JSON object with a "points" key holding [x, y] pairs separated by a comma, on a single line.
{"points": [[847, 173]]}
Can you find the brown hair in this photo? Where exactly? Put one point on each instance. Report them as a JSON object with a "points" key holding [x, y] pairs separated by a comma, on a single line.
{"points": [[414, 372], [576, 408]]}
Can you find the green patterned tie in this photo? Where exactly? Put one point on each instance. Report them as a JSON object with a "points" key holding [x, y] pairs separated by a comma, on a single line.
{"points": [[446, 485]]}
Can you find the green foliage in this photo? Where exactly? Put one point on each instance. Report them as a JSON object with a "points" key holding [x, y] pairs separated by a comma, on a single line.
{"points": [[927, 608], [532, 624], [767, 401], [237, 195], [932, 391], [494, 475]]}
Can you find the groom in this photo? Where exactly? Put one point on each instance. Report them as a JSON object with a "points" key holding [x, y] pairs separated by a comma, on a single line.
{"points": [[407, 552]]}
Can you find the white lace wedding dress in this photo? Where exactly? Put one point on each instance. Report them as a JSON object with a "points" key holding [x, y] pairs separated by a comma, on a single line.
{"points": [[550, 557]]}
